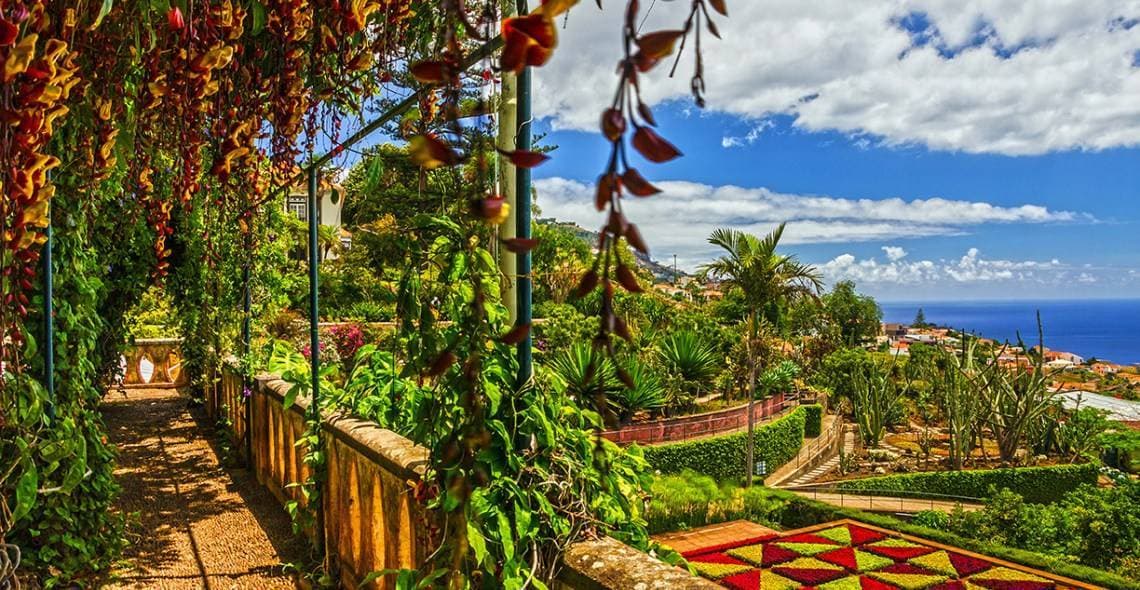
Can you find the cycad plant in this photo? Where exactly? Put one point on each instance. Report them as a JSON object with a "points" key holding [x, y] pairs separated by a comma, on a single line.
{"points": [[688, 356], [589, 377]]}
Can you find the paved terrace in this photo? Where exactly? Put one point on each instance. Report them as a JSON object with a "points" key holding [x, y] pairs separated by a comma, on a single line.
{"points": [[192, 523]]}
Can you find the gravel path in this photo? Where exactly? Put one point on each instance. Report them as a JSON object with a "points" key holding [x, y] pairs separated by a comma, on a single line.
{"points": [[192, 523]]}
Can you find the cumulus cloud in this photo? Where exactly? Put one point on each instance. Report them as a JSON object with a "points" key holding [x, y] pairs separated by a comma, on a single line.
{"points": [[894, 253], [970, 268], [982, 76]]}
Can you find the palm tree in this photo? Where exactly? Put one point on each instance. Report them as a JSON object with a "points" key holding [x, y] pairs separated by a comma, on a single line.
{"points": [[769, 281]]}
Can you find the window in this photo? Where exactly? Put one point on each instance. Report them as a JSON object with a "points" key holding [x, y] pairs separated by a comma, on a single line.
{"points": [[297, 206]]}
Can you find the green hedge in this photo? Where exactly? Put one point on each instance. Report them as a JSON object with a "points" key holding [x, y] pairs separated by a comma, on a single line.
{"points": [[1039, 485], [722, 457], [813, 420], [797, 512]]}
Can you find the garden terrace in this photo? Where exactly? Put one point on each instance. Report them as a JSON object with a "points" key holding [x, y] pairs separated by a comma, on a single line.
{"points": [[173, 170]]}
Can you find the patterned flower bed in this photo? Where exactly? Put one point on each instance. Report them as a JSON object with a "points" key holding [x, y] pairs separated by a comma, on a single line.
{"points": [[847, 555]]}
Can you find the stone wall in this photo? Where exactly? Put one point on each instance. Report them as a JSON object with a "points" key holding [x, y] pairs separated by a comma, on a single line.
{"points": [[372, 521]]}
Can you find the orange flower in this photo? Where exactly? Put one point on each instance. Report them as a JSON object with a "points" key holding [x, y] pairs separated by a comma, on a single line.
{"points": [[529, 41]]}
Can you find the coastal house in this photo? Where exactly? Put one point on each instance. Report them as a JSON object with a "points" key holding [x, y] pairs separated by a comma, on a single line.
{"points": [[1104, 369], [895, 331]]}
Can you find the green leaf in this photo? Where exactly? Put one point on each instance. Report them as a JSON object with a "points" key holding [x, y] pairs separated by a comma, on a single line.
{"points": [[103, 10], [257, 12], [26, 490], [477, 542]]}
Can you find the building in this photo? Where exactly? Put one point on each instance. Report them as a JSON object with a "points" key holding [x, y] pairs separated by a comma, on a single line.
{"points": [[330, 203], [895, 331]]}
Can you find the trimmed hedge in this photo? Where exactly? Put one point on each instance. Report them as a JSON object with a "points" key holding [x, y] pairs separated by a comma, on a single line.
{"points": [[1039, 485], [797, 512], [813, 420], [722, 457]]}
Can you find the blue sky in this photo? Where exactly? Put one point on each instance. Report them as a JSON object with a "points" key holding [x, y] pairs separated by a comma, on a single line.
{"points": [[924, 149]]}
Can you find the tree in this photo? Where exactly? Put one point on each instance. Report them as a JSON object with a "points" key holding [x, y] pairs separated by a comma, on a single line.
{"points": [[768, 280], [919, 319], [857, 316]]}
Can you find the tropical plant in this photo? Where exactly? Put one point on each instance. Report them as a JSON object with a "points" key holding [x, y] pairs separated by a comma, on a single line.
{"points": [[1016, 399], [778, 378], [956, 393], [768, 280], [688, 356], [876, 398], [644, 392]]}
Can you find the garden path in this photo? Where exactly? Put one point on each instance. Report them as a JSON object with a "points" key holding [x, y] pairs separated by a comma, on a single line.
{"points": [[192, 523]]}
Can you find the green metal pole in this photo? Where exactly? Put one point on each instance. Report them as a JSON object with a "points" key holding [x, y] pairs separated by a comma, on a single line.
{"points": [[522, 219], [245, 346], [49, 322], [315, 346]]}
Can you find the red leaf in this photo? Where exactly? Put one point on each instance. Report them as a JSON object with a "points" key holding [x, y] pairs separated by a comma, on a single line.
{"points": [[644, 62], [586, 284], [520, 245], [654, 147], [607, 186], [174, 19], [658, 44], [516, 335], [636, 183], [441, 364], [627, 279], [643, 110], [524, 159], [432, 72], [613, 124], [8, 33], [633, 237], [622, 329], [718, 5]]}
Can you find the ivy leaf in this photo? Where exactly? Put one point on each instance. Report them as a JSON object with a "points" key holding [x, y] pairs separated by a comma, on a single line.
{"points": [[257, 11], [103, 11], [506, 537], [26, 491], [477, 541]]}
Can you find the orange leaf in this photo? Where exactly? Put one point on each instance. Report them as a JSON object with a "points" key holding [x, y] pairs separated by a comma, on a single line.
{"points": [[633, 237], [432, 72], [718, 5], [430, 152], [8, 32], [586, 284], [658, 44], [553, 8], [607, 186]]}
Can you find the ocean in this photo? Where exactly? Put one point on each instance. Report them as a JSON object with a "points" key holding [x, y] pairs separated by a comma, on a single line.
{"points": [[1107, 329]]}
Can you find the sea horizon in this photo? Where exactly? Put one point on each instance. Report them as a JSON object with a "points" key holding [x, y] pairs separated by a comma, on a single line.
{"points": [[1105, 328]]}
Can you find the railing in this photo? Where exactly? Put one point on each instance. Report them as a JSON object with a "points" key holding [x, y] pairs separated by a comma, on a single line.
{"points": [[885, 500], [154, 363], [683, 428], [812, 453]]}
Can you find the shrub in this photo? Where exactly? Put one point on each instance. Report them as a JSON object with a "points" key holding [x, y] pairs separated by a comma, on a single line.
{"points": [[722, 457], [647, 393], [813, 420], [1035, 484]]}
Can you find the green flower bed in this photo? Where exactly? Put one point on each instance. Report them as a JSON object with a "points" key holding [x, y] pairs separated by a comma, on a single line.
{"points": [[1038, 485], [722, 457], [813, 420]]}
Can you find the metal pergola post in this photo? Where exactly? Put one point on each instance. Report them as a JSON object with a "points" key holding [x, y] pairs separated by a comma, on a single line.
{"points": [[49, 321], [315, 347], [247, 401], [522, 219]]}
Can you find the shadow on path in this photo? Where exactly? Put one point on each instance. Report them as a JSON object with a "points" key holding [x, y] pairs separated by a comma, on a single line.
{"points": [[191, 522]]}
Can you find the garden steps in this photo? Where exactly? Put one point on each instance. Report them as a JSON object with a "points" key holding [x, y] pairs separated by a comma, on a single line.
{"points": [[198, 524], [826, 466]]}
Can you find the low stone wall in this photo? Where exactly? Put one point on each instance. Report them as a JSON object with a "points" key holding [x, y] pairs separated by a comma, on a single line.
{"points": [[372, 521], [698, 425]]}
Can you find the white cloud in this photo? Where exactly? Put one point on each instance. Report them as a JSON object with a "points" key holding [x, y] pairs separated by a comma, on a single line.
{"points": [[894, 253], [996, 76], [970, 268], [680, 219]]}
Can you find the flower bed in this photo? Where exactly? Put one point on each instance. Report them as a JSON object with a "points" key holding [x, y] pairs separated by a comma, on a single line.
{"points": [[849, 555]]}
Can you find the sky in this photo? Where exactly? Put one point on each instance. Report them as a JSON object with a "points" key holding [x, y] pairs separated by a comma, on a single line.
{"points": [[925, 149]]}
